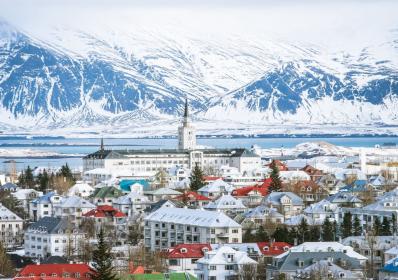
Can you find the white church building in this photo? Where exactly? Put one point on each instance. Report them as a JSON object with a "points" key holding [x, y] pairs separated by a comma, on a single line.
{"points": [[187, 155]]}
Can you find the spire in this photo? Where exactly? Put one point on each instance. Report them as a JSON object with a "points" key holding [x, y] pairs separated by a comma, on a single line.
{"points": [[186, 108], [102, 144]]}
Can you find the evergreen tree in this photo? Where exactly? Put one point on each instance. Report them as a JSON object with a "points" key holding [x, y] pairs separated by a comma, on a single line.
{"points": [[248, 236], [103, 260], [43, 180], [303, 230], [28, 178], [327, 231], [394, 224], [66, 172], [357, 228], [346, 227], [276, 182], [335, 228], [377, 226], [293, 236], [314, 234], [386, 227], [197, 180], [6, 266], [261, 234], [281, 234]]}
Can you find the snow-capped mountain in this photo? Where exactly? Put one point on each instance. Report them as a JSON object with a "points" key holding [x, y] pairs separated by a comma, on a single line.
{"points": [[140, 80]]}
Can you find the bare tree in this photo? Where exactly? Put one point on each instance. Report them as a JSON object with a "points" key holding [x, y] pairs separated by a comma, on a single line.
{"points": [[248, 272], [6, 266]]}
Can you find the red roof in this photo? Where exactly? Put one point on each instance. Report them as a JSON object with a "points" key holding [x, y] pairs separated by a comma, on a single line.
{"points": [[192, 196], [262, 188], [189, 251], [211, 178], [103, 211], [61, 271], [274, 248]]}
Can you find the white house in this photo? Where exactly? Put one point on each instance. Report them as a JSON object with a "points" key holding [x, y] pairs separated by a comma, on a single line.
{"points": [[43, 206], [215, 189], [183, 257], [25, 196], [11, 227], [227, 204], [132, 204], [223, 263], [51, 236], [287, 203], [73, 207], [80, 189], [168, 227]]}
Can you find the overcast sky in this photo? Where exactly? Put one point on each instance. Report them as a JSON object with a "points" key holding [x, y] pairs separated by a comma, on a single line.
{"points": [[338, 23]]}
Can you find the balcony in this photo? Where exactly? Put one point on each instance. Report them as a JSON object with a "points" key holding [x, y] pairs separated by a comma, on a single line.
{"points": [[223, 235]]}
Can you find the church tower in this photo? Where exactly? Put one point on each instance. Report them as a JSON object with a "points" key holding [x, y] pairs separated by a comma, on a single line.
{"points": [[186, 132]]}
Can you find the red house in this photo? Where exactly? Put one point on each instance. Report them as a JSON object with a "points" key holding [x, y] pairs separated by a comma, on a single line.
{"points": [[252, 196], [193, 199]]}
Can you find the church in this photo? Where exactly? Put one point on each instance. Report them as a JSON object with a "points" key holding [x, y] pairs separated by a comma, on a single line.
{"points": [[187, 155]]}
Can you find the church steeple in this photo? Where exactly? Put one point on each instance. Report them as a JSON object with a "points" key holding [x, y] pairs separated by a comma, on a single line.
{"points": [[186, 112], [186, 132], [102, 147]]}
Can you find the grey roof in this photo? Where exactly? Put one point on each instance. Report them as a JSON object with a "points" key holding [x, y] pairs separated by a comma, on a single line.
{"points": [[194, 217], [8, 186], [290, 261], [75, 201], [343, 197], [274, 198], [51, 225]]}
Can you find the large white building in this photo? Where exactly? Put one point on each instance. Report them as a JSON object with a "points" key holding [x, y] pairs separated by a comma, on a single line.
{"points": [[11, 227], [168, 227], [186, 156], [52, 237]]}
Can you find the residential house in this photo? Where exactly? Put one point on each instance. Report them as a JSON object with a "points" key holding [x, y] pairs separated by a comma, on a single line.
{"points": [[389, 270], [132, 204], [193, 199], [286, 203], [73, 208], [11, 228], [56, 271], [183, 257], [43, 206], [223, 263], [260, 215], [215, 189], [321, 210], [252, 196], [376, 252], [25, 196], [9, 187], [330, 183], [168, 227], [344, 199], [297, 261], [52, 236], [313, 172], [162, 193], [113, 221], [308, 190], [227, 204], [105, 195], [80, 189]]}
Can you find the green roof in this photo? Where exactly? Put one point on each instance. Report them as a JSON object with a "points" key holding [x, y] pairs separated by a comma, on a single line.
{"points": [[169, 276], [107, 192]]}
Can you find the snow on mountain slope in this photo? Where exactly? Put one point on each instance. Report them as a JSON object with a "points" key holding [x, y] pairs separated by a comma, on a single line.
{"points": [[138, 80]]}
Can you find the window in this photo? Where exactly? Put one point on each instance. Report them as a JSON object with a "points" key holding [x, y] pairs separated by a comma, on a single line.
{"points": [[173, 262], [65, 275], [42, 275], [235, 231], [229, 267], [77, 275], [53, 274], [213, 267]]}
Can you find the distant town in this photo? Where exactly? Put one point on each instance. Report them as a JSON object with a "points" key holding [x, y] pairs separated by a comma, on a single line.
{"points": [[202, 213]]}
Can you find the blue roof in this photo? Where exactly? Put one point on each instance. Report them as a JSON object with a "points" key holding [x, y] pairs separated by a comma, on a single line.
{"points": [[356, 186], [126, 184], [391, 266], [44, 198]]}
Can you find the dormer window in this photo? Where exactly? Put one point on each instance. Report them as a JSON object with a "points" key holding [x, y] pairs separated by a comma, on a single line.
{"points": [[42, 275], [183, 250]]}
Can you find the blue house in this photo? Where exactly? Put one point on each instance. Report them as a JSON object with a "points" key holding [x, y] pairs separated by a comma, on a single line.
{"points": [[125, 185]]}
